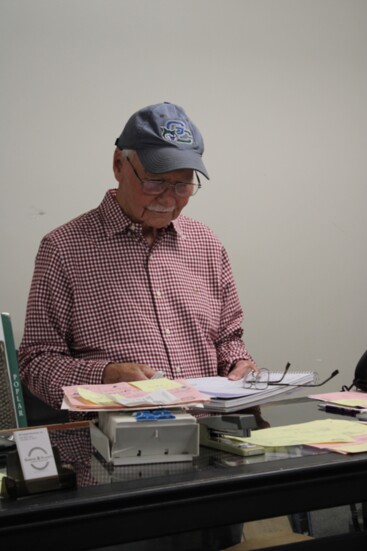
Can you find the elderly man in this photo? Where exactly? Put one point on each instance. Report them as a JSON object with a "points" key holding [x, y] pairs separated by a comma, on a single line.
{"points": [[134, 286]]}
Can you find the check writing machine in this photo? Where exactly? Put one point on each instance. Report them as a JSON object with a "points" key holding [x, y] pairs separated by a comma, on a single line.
{"points": [[157, 436], [162, 436]]}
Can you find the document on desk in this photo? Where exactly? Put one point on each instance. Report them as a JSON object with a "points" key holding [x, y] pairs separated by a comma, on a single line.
{"points": [[149, 393], [336, 435], [227, 396], [350, 403], [346, 398]]}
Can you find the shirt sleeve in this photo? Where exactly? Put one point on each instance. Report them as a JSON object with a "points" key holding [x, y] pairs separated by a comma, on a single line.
{"points": [[46, 360], [229, 344]]}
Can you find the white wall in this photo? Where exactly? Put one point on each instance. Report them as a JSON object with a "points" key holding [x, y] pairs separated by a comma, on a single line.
{"points": [[277, 87]]}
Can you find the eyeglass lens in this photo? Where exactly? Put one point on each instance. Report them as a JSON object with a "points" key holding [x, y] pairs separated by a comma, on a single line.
{"points": [[257, 379], [156, 187]]}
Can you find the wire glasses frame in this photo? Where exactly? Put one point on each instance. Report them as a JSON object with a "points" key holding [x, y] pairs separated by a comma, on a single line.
{"points": [[260, 380], [156, 187]]}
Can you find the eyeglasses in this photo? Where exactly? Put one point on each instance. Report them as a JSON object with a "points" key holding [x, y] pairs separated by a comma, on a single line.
{"points": [[260, 380], [156, 187]]}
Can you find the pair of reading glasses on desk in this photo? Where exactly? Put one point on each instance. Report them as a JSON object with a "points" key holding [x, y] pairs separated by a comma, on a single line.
{"points": [[260, 380]]}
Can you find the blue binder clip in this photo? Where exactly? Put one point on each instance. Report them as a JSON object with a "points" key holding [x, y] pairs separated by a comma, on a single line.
{"points": [[157, 415]]}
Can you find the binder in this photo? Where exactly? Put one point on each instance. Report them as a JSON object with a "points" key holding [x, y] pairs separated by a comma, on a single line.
{"points": [[12, 408]]}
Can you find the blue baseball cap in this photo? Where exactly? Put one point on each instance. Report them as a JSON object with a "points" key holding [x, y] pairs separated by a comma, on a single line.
{"points": [[164, 138]]}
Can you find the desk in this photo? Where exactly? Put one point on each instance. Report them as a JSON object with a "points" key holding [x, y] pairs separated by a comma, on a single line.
{"points": [[129, 503]]}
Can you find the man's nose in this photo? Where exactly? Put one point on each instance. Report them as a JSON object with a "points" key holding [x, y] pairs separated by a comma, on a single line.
{"points": [[169, 191]]}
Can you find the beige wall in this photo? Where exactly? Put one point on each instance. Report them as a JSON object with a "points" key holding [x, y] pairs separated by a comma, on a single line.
{"points": [[278, 88]]}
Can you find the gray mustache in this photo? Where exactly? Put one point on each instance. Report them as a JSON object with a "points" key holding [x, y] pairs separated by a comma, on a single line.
{"points": [[161, 209]]}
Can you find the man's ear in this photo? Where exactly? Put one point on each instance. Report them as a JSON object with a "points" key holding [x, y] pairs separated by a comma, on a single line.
{"points": [[118, 162]]}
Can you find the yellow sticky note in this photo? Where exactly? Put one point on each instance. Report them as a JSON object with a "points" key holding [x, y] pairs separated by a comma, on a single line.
{"points": [[148, 385], [94, 397]]}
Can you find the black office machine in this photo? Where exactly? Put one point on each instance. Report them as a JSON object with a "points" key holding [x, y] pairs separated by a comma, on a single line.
{"points": [[226, 433]]}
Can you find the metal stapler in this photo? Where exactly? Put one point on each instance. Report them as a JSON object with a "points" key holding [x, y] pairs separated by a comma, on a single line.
{"points": [[226, 432]]}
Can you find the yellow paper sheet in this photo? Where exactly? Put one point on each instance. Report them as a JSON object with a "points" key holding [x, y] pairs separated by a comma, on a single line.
{"points": [[149, 385], [345, 398], [352, 402], [357, 446], [94, 397], [354, 448], [322, 431]]}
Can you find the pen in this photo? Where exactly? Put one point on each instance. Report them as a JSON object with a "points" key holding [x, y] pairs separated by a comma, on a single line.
{"points": [[342, 410]]}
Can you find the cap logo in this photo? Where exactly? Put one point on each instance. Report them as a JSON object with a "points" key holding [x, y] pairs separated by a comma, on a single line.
{"points": [[176, 131]]}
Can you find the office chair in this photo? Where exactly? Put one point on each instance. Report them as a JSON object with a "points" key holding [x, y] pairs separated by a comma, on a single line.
{"points": [[360, 374], [40, 413]]}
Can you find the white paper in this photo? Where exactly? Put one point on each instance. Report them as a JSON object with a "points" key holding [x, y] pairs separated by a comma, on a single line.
{"points": [[157, 398], [221, 387]]}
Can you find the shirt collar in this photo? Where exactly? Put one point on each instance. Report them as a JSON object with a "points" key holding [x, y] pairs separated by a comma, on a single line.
{"points": [[177, 226], [114, 219]]}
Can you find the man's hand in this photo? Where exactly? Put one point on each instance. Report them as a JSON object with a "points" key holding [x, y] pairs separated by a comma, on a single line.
{"points": [[126, 372], [241, 369]]}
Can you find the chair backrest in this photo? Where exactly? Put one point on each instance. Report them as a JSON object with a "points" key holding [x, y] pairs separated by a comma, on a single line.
{"points": [[19, 407], [360, 374], [40, 413]]}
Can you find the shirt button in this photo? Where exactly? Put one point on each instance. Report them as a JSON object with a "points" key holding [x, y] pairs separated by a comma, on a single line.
{"points": [[168, 332], [159, 294], [178, 369]]}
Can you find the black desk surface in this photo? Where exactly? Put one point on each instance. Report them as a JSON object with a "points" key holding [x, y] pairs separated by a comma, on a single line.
{"points": [[217, 488]]}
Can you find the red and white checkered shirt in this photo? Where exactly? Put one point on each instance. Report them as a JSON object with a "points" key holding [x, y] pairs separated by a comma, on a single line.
{"points": [[99, 294]]}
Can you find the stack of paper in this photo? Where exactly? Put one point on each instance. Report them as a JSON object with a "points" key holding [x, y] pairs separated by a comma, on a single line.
{"points": [[228, 396], [334, 435], [353, 403], [148, 393]]}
